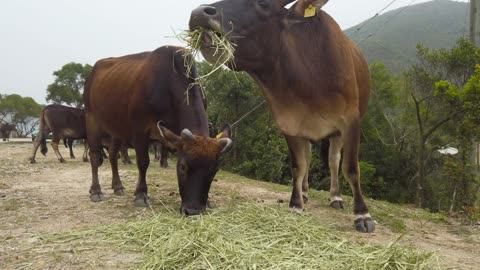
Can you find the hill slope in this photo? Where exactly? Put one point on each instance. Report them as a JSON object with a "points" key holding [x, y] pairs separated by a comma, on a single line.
{"points": [[436, 24]]}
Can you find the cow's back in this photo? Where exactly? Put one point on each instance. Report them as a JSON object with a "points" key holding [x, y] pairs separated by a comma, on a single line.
{"points": [[130, 94], [65, 120]]}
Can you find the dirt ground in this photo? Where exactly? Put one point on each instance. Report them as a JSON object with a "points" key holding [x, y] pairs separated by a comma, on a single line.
{"points": [[49, 197]]}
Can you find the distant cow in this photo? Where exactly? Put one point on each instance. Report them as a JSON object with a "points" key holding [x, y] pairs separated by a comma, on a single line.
{"points": [[315, 80], [64, 123], [126, 97], [5, 129], [160, 153]]}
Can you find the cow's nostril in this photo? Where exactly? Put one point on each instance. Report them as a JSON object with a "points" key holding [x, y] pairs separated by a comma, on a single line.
{"points": [[210, 11]]}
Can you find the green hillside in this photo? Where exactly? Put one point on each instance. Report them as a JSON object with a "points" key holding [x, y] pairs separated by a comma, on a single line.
{"points": [[437, 24]]}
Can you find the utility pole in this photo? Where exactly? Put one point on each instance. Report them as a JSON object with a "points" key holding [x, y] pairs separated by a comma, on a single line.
{"points": [[475, 39], [474, 27]]}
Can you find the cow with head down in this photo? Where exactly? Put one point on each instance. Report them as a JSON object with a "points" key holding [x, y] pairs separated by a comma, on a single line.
{"points": [[142, 97], [315, 80]]}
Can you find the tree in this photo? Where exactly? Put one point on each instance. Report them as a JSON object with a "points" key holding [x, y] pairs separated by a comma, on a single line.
{"points": [[433, 85], [23, 111], [68, 85]]}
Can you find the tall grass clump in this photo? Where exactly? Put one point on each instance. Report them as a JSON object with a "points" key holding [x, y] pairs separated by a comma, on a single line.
{"points": [[249, 236]]}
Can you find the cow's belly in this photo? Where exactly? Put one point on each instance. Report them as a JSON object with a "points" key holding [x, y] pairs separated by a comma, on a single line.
{"points": [[313, 127], [301, 121]]}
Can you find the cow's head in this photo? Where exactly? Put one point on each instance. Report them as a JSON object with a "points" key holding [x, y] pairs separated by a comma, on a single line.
{"points": [[254, 26], [196, 166]]}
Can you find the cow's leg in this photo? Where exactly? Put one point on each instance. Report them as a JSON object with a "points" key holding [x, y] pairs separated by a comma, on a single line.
{"points": [[55, 141], [143, 160], [36, 144], [70, 145], [117, 186], [124, 155], [300, 154], [156, 152], [96, 160], [163, 157], [334, 156], [351, 171], [85, 151]]}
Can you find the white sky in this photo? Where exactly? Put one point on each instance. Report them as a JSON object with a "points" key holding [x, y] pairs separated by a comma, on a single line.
{"points": [[38, 37]]}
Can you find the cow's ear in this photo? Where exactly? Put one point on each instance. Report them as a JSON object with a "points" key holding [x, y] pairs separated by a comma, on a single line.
{"points": [[173, 142], [225, 133]]}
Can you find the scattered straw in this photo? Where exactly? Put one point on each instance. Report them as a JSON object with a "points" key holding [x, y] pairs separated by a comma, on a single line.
{"points": [[247, 236]]}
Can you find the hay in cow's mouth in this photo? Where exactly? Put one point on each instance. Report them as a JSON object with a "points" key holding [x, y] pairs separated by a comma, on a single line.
{"points": [[201, 38]]}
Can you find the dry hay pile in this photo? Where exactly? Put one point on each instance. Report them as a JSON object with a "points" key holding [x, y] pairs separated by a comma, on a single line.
{"points": [[246, 236]]}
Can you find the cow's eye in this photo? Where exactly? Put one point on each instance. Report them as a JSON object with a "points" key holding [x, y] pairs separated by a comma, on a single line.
{"points": [[263, 4], [182, 167]]}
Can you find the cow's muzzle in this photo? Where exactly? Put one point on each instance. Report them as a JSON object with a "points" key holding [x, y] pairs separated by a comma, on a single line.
{"points": [[202, 17], [191, 211]]}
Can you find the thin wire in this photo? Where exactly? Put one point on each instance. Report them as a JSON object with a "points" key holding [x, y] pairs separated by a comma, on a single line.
{"points": [[386, 22], [248, 113], [374, 16]]}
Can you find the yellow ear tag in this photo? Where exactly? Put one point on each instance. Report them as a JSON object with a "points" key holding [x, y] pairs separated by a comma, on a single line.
{"points": [[310, 11], [219, 135]]}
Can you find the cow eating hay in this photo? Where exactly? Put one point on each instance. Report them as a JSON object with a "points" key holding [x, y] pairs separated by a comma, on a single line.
{"points": [[314, 79]]}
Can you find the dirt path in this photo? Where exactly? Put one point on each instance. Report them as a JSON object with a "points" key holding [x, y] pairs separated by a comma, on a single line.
{"points": [[49, 197]]}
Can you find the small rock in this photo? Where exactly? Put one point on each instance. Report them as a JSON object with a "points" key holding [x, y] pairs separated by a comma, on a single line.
{"points": [[171, 193], [280, 200], [260, 201]]}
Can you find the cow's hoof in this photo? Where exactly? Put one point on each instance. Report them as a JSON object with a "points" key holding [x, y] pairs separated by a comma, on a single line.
{"points": [[85, 160], [96, 197], [165, 166], [142, 200], [61, 160], [365, 224], [296, 210], [209, 205], [32, 160], [305, 198], [337, 204], [119, 191], [72, 157]]}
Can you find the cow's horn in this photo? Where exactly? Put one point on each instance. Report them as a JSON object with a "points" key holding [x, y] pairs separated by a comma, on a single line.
{"points": [[187, 135], [159, 123], [226, 144], [286, 2]]}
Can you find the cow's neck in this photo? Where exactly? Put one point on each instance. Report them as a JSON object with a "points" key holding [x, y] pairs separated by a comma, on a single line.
{"points": [[301, 77], [193, 117]]}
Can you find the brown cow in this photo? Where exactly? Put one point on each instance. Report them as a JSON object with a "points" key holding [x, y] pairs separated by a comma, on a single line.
{"points": [[5, 129], [126, 97], [65, 123], [315, 80]]}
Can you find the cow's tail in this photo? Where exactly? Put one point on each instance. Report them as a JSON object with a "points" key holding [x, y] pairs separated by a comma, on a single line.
{"points": [[324, 148], [42, 135]]}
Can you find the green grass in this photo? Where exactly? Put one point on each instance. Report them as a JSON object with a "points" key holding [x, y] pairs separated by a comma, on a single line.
{"points": [[246, 236]]}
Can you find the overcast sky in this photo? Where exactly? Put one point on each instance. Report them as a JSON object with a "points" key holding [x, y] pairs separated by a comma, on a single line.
{"points": [[38, 37]]}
